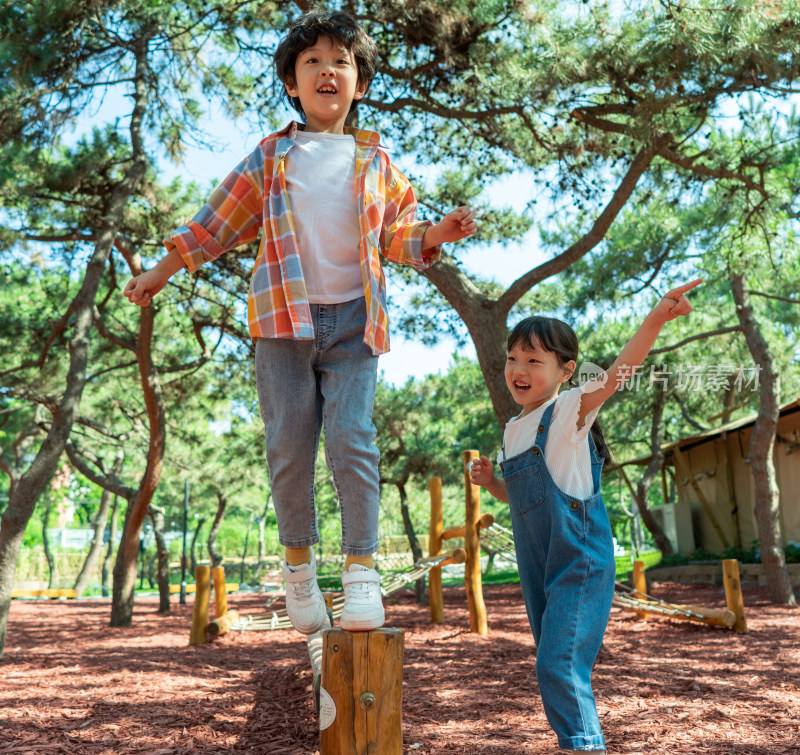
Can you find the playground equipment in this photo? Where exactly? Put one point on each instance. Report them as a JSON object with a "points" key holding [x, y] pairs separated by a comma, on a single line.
{"points": [[481, 531], [357, 676], [360, 707], [637, 600]]}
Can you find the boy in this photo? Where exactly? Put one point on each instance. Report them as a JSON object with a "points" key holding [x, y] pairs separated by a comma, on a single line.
{"points": [[329, 202]]}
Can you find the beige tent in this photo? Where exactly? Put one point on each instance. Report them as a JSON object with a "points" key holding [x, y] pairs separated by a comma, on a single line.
{"points": [[714, 506]]}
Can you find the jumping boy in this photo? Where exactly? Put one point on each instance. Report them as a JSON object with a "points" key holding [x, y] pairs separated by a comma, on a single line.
{"points": [[328, 202]]}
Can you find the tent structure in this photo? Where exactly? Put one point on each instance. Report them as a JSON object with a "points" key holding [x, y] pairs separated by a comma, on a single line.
{"points": [[711, 507]]}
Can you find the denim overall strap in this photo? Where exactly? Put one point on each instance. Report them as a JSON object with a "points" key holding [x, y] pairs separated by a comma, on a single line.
{"points": [[541, 431], [544, 426], [597, 463]]}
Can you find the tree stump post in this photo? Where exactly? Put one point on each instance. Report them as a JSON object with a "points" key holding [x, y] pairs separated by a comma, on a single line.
{"points": [[220, 594], [640, 585], [472, 545], [202, 580], [733, 593], [360, 708], [435, 596]]}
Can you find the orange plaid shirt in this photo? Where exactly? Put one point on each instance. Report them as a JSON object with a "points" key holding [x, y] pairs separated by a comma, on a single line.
{"points": [[254, 197]]}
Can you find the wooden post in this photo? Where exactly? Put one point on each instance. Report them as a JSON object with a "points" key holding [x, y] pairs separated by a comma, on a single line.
{"points": [[460, 530], [220, 594], [733, 593], [360, 708], [435, 596], [640, 585], [472, 545], [202, 580], [222, 624]]}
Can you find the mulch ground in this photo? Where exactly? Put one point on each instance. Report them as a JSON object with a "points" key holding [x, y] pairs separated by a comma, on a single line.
{"points": [[70, 684]]}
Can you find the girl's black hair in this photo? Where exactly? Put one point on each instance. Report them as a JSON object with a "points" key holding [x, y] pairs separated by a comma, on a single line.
{"points": [[559, 338], [338, 27]]}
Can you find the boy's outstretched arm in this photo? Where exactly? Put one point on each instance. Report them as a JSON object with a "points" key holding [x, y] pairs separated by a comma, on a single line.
{"points": [[142, 288], [456, 225], [673, 304], [481, 473]]}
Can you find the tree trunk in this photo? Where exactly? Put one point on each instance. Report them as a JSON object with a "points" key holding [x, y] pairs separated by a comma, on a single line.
{"points": [[214, 554], [485, 318], [760, 451], [112, 536], [24, 493], [416, 551], [99, 525], [48, 554], [125, 566], [162, 556], [653, 469]]}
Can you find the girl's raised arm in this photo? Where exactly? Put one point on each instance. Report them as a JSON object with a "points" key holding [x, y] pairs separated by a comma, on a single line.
{"points": [[673, 304]]}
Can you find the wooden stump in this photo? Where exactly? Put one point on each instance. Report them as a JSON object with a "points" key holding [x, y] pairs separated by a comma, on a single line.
{"points": [[360, 711], [435, 595], [202, 580], [733, 593], [472, 545], [640, 585], [220, 594]]}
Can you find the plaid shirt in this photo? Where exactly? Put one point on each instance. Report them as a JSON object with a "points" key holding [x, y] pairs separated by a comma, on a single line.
{"points": [[254, 196]]}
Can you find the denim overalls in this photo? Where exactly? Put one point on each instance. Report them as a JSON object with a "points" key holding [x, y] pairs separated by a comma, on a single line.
{"points": [[566, 563]]}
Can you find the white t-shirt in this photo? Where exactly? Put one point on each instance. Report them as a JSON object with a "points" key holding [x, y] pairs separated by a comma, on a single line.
{"points": [[567, 452], [323, 196]]}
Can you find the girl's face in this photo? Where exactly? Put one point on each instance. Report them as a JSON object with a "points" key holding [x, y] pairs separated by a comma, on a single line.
{"points": [[534, 375]]}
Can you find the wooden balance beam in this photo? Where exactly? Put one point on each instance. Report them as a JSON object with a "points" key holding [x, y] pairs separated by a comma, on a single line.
{"points": [[47, 593]]}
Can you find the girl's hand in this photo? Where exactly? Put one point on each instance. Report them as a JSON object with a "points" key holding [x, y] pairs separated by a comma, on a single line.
{"points": [[674, 303], [481, 472], [456, 225]]}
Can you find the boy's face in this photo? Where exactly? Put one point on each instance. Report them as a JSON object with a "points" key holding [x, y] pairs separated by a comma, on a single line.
{"points": [[326, 82]]}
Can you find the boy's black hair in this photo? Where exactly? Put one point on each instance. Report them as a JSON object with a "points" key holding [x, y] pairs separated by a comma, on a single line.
{"points": [[338, 27], [558, 337]]}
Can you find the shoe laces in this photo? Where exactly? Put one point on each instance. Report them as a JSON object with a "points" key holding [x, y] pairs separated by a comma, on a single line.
{"points": [[302, 590], [361, 593]]}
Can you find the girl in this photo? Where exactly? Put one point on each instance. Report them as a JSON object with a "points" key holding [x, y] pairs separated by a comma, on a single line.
{"points": [[551, 467]]}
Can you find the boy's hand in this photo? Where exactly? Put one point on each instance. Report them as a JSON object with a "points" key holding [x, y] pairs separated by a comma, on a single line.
{"points": [[141, 289], [674, 303], [456, 225], [481, 472]]}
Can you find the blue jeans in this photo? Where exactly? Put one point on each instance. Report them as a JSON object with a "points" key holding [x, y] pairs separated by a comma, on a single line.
{"points": [[303, 386], [565, 554]]}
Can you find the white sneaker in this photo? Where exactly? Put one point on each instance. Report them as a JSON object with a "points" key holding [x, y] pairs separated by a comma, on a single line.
{"points": [[304, 602], [363, 609]]}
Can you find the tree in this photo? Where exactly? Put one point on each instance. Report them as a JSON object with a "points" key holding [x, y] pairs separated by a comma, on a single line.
{"points": [[762, 445], [56, 59], [25, 491]]}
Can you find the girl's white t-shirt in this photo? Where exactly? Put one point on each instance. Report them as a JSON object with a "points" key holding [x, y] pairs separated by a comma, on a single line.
{"points": [[567, 452], [323, 196]]}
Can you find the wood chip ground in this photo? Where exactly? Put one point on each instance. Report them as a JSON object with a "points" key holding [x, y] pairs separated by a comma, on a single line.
{"points": [[70, 684]]}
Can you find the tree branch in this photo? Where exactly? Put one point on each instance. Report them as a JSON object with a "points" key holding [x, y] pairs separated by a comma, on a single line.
{"points": [[697, 337], [594, 236], [774, 296], [106, 481]]}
